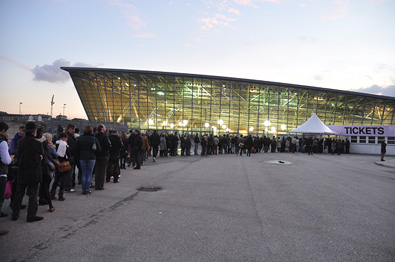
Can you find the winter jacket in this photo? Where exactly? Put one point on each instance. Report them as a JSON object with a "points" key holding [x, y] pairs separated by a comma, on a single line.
{"points": [[155, 139], [104, 145], [14, 144], [30, 152], [116, 145], [84, 147]]}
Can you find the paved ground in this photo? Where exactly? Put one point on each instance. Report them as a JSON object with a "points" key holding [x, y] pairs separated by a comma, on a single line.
{"points": [[222, 208]]}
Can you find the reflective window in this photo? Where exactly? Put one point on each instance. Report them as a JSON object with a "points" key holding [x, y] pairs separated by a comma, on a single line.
{"points": [[192, 103]]}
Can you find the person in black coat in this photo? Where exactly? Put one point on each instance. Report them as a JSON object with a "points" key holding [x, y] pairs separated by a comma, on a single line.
{"points": [[87, 147], [131, 138], [30, 154], [154, 141], [196, 140], [102, 157], [138, 148], [115, 153]]}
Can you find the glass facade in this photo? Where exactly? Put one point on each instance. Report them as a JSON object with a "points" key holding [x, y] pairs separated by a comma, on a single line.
{"points": [[200, 103]]}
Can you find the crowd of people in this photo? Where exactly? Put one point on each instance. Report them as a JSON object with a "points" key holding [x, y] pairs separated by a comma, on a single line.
{"points": [[47, 166]]}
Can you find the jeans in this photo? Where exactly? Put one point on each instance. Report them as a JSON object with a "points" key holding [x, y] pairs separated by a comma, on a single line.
{"points": [[86, 173], [196, 149]]}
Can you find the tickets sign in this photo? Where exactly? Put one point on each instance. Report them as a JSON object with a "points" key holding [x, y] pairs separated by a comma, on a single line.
{"points": [[347, 130]]}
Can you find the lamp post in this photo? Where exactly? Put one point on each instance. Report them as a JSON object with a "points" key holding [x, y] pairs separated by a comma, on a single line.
{"points": [[20, 108], [64, 107]]}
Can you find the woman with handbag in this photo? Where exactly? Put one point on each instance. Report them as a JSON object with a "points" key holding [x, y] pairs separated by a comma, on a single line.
{"points": [[86, 148], [62, 169]]}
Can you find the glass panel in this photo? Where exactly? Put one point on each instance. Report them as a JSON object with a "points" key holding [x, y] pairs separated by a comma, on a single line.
{"points": [[391, 140], [372, 139], [362, 139], [339, 111], [369, 110], [354, 139], [321, 106]]}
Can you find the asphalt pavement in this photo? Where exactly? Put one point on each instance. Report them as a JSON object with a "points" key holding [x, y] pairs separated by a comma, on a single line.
{"points": [[267, 207]]}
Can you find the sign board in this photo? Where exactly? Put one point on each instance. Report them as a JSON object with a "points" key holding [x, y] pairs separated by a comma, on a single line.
{"points": [[347, 130]]}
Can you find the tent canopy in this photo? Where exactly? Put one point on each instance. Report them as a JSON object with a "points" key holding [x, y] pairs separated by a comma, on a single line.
{"points": [[313, 126]]}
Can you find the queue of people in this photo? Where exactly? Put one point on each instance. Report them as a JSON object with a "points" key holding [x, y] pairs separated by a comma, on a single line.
{"points": [[47, 166]]}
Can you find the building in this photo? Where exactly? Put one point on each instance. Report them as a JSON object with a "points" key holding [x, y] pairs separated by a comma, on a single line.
{"points": [[200, 103]]}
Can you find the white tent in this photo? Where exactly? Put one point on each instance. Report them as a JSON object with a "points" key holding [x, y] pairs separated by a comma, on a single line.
{"points": [[313, 126]]}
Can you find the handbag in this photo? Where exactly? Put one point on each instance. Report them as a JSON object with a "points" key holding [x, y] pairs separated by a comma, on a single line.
{"points": [[8, 190], [64, 166], [94, 147]]}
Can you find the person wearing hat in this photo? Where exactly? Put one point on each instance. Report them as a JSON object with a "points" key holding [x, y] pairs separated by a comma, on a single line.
{"points": [[30, 154]]}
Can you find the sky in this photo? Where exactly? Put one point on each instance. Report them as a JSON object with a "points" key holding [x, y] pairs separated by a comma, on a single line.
{"points": [[336, 44]]}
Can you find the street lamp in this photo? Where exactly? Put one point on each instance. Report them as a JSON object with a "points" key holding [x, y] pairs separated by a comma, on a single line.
{"points": [[64, 107], [20, 108]]}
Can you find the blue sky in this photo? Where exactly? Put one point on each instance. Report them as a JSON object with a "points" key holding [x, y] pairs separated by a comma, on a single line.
{"points": [[339, 44]]}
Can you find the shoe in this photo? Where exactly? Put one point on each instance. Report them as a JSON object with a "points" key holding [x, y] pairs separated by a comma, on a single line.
{"points": [[382, 160], [154, 159], [92, 186], [14, 217], [61, 199], [89, 192], [71, 190], [116, 181], [53, 197], [51, 209], [35, 219], [3, 215], [84, 193], [3, 232]]}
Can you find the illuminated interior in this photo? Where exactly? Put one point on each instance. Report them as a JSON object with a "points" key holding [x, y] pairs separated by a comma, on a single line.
{"points": [[200, 103]]}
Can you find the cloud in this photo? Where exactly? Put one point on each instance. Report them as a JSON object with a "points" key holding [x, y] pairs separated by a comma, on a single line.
{"points": [[246, 3], [133, 18], [53, 73], [378, 90], [340, 11], [253, 3], [15, 62], [376, 2], [217, 19], [234, 11], [318, 77], [307, 39]]}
